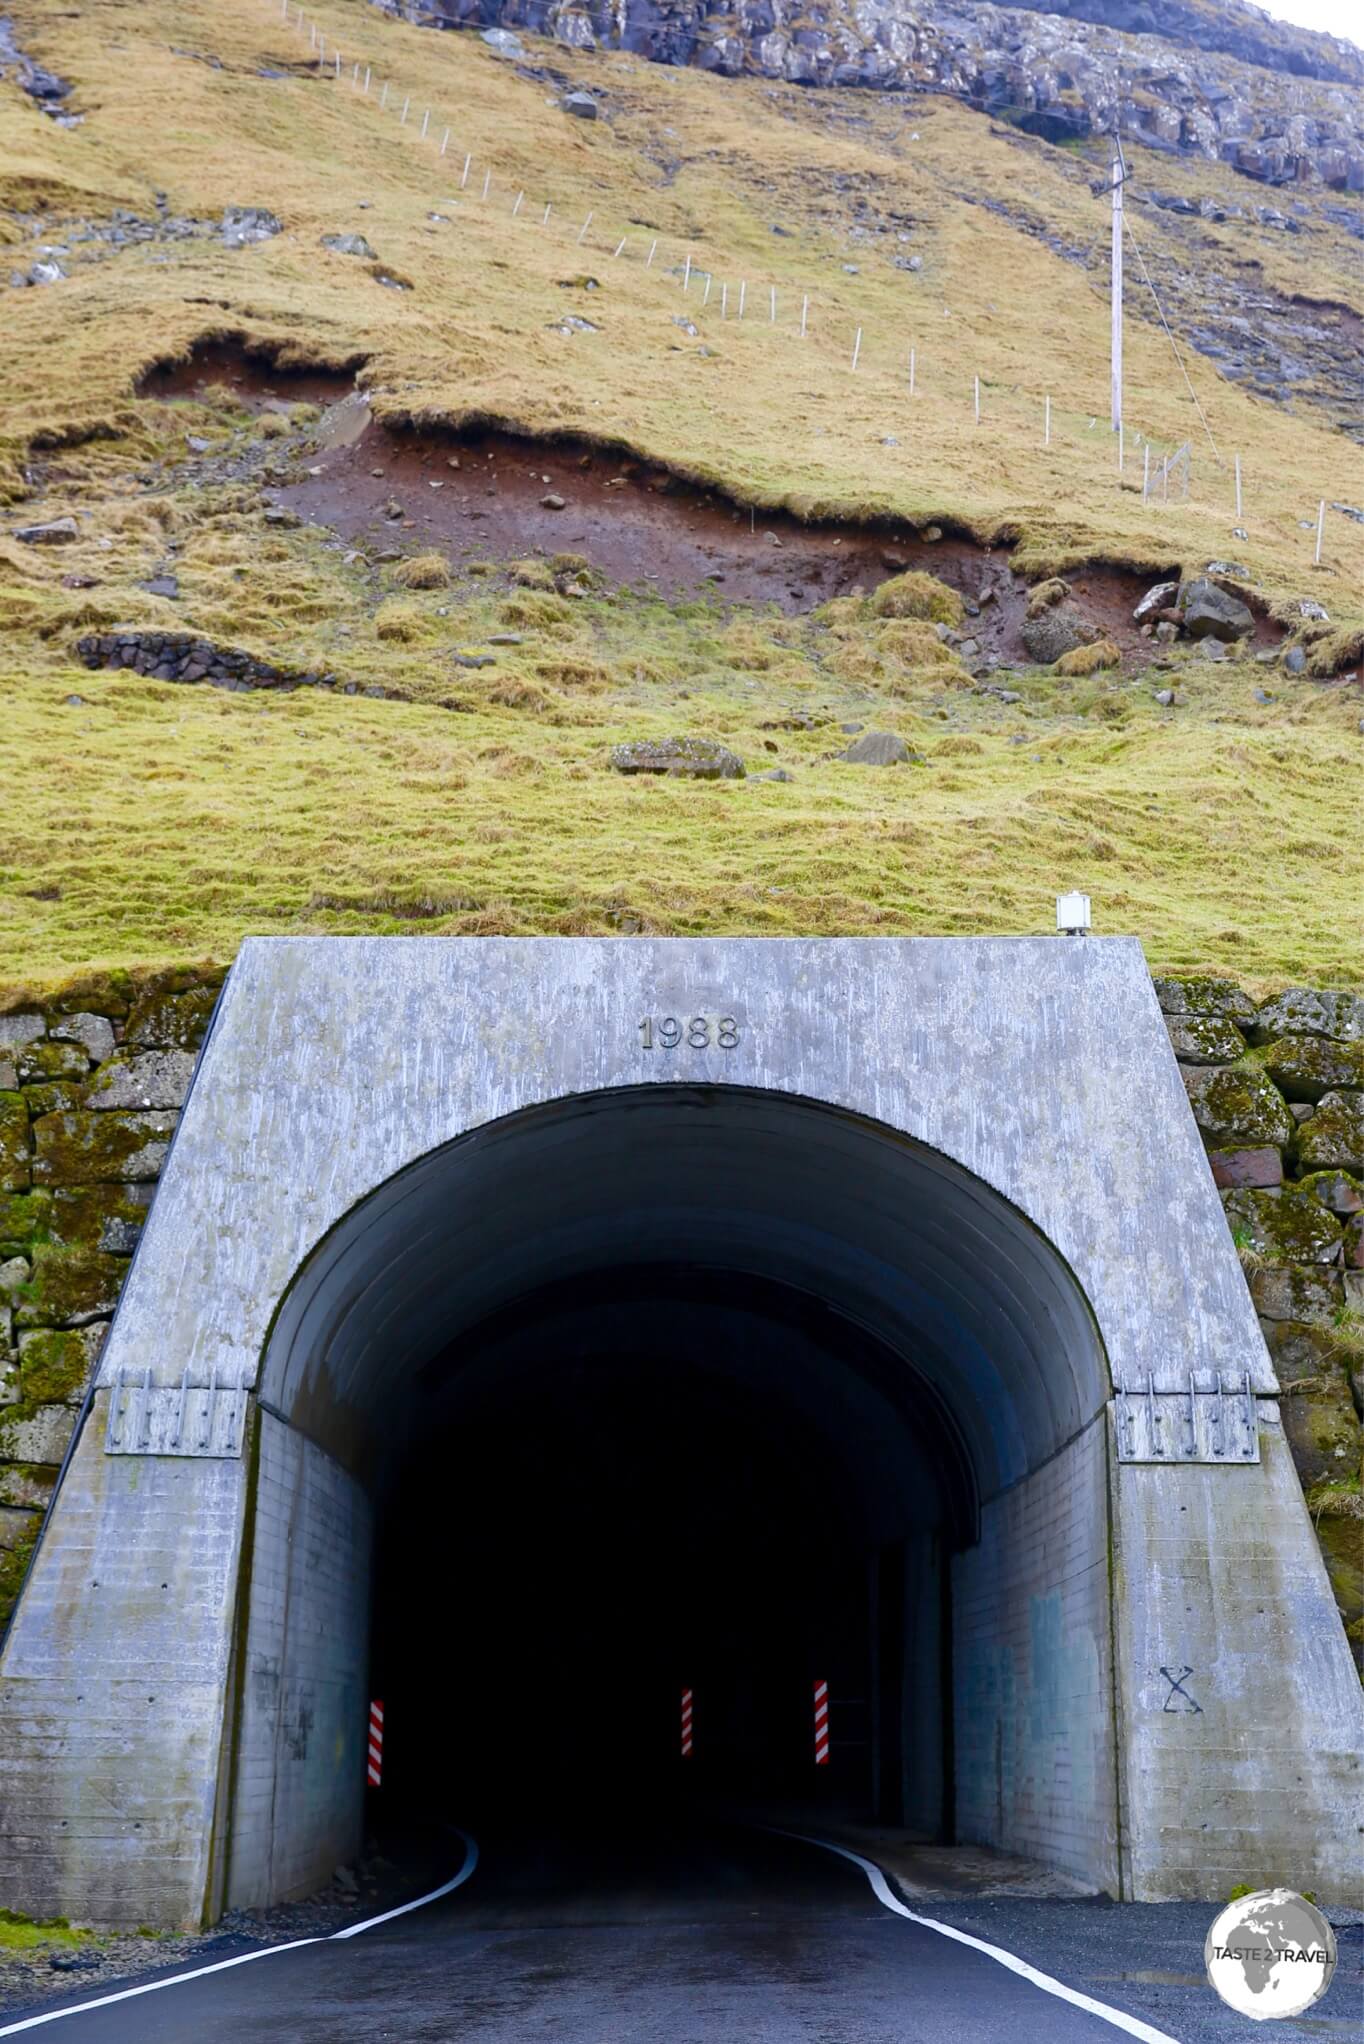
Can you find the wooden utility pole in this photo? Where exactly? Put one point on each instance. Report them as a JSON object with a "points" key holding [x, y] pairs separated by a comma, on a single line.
{"points": [[1118, 175]]}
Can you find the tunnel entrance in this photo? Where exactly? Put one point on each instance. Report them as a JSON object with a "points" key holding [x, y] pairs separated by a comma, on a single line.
{"points": [[699, 1388], [494, 1348], [658, 1482]]}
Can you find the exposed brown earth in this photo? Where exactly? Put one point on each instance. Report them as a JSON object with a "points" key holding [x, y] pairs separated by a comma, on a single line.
{"points": [[496, 496]]}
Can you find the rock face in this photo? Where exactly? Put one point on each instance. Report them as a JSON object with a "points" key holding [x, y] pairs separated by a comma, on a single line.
{"points": [[1225, 83]]}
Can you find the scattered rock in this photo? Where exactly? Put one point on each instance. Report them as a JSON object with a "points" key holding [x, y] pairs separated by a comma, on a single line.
{"points": [[1212, 649], [552, 501], [1294, 659], [681, 758], [774, 774], [503, 43], [1211, 612], [1053, 632], [56, 532], [581, 105], [877, 748], [1161, 597], [243, 225], [349, 244]]}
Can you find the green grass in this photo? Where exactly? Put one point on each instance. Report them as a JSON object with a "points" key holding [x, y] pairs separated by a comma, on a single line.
{"points": [[152, 823]]}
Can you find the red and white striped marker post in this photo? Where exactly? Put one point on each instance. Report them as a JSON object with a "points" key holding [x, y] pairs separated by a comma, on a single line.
{"points": [[686, 1724], [375, 1766], [821, 1724]]}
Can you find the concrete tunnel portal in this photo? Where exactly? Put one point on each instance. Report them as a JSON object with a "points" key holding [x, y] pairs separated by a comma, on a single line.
{"points": [[528, 1329], [678, 1387]]}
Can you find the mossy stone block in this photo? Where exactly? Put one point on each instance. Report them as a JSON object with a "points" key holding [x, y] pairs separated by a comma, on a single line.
{"points": [[142, 1078], [1284, 1226], [24, 1216], [18, 1527], [54, 1096], [70, 1286], [35, 1433], [55, 1363], [1335, 1189], [107, 1217], [1205, 996], [1334, 1138], [1306, 1067], [1311, 1011], [171, 1021], [16, 1167], [1338, 1516], [1237, 1104], [26, 1483], [1205, 1039], [1306, 1292], [1319, 1415], [89, 1147], [39, 1061]]}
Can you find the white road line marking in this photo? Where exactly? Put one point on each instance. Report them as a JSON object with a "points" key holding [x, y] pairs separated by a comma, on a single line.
{"points": [[105, 2001], [880, 1887]]}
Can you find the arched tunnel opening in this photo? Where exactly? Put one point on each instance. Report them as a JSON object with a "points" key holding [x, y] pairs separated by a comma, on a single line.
{"points": [[682, 1390]]}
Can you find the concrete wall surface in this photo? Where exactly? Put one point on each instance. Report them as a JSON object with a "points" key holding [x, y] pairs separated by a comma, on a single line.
{"points": [[1239, 1706], [298, 1764], [1035, 1748]]}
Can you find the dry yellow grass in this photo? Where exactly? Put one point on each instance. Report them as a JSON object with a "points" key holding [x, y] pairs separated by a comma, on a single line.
{"points": [[156, 822]]}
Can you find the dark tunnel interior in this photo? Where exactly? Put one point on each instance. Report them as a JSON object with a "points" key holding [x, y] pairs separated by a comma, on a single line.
{"points": [[650, 1482]]}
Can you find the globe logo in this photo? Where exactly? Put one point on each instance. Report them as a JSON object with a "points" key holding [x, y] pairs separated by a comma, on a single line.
{"points": [[1270, 1954]]}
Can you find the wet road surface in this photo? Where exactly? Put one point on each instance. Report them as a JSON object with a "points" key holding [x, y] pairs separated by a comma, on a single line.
{"points": [[698, 1935]]}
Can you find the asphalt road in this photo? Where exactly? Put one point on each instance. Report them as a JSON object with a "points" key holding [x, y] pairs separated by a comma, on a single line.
{"points": [[692, 1938]]}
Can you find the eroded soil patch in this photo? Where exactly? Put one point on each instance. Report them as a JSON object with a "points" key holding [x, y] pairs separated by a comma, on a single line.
{"points": [[495, 497], [258, 381]]}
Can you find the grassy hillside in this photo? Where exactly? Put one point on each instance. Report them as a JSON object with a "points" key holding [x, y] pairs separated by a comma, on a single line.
{"points": [[149, 822]]}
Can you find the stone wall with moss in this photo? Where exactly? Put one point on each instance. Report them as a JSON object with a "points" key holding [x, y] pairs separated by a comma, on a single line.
{"points": [[90, 1091], [91, 1085], [1277, 1089]]}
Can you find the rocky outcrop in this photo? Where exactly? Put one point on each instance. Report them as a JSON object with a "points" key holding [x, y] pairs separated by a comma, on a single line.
{"points": [[1277, 103]]}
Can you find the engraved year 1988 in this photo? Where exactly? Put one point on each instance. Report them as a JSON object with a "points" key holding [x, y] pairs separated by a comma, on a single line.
{"points": [[702, 1032]]}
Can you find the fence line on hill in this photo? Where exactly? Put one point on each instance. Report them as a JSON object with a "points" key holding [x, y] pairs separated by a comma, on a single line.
{"points": [[1155, 485]]}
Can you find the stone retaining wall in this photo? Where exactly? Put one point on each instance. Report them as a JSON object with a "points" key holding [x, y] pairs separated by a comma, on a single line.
{"points": [[183, 656], [91, 1085], [89, 1095]]}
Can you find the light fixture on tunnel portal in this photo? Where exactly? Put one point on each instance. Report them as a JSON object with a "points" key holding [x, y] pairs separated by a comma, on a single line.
{"points": [[1072, 914]]}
